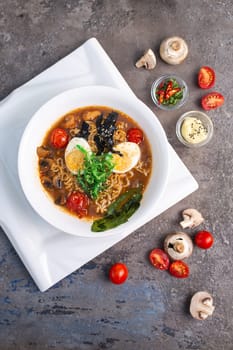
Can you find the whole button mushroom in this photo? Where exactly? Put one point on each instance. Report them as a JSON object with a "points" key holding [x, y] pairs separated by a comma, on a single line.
{"points": [[148, 60], [178, 245], [173, 50], [192, 218], [201, 305]]}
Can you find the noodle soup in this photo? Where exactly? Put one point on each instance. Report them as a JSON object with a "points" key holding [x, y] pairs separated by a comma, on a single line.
{"points": [[91, 157]]}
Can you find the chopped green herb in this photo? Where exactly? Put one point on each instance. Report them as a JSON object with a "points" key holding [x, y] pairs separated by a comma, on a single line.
{"points": [[96, 171]]}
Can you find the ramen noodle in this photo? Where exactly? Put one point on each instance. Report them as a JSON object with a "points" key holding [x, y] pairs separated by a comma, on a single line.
{"points": [[98, 130]]}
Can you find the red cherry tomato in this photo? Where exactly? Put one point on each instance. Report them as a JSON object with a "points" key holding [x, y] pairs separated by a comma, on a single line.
{"points": [[135, 135], [78, 202], [204, 239], [118, 273], [179, 269], [212, 100], [159, 259], [59, 138], [206, 77]]}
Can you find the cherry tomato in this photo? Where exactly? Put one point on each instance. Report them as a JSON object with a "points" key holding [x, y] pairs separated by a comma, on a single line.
{"points": [[212, 101], [59, 138], [206, 77], [78, 202], [179, 269], [204, 239], [135, 135], [118, 273], [159, 259]]}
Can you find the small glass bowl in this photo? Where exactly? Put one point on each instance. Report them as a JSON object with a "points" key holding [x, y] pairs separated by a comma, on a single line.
{"points": [[180, 82], [206, 121]]}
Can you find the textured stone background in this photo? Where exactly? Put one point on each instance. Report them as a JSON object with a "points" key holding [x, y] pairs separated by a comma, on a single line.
{"points": [[85, 311]]}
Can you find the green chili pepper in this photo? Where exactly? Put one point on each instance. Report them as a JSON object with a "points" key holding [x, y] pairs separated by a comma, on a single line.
{"points": [[120, 211]]}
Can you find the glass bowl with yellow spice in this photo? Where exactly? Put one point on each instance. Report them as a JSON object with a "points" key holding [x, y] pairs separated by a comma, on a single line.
{"points": [[194, 129]]}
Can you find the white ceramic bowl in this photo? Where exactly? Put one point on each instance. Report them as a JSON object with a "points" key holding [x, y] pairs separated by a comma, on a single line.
{"points": [[55, 108]]}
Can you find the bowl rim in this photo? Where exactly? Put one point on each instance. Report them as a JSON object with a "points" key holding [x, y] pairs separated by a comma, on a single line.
{"points": [[26, 155], [204, 118], [172, 107]]}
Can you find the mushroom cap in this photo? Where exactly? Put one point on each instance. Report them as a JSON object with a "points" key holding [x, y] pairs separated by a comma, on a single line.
{"points": [[178, 245], [192, 218], [148, 60], [173, 50], [201, 305]]}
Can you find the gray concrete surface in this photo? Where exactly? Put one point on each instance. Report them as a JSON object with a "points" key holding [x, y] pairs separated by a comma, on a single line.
{"points": [[150, 311]]}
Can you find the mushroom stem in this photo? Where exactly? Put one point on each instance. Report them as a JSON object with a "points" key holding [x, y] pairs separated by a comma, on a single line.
{"points": [[187, 222], [207, 301], [203, 315], [175, 45], [178, 247]]}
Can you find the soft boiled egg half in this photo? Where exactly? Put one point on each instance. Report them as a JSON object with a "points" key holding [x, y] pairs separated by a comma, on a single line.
{"points": [[74, 158], [127, 159]]}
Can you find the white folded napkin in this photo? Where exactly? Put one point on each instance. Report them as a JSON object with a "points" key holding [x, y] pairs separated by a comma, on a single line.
{"points": [[50, 254]]}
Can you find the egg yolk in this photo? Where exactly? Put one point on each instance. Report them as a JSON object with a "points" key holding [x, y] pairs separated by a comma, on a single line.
{"points": [[121, 162], [74, 160], [127, 160]]}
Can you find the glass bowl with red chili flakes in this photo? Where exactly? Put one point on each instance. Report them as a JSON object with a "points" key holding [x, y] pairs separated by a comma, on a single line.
{"points": [[169, 92]]}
